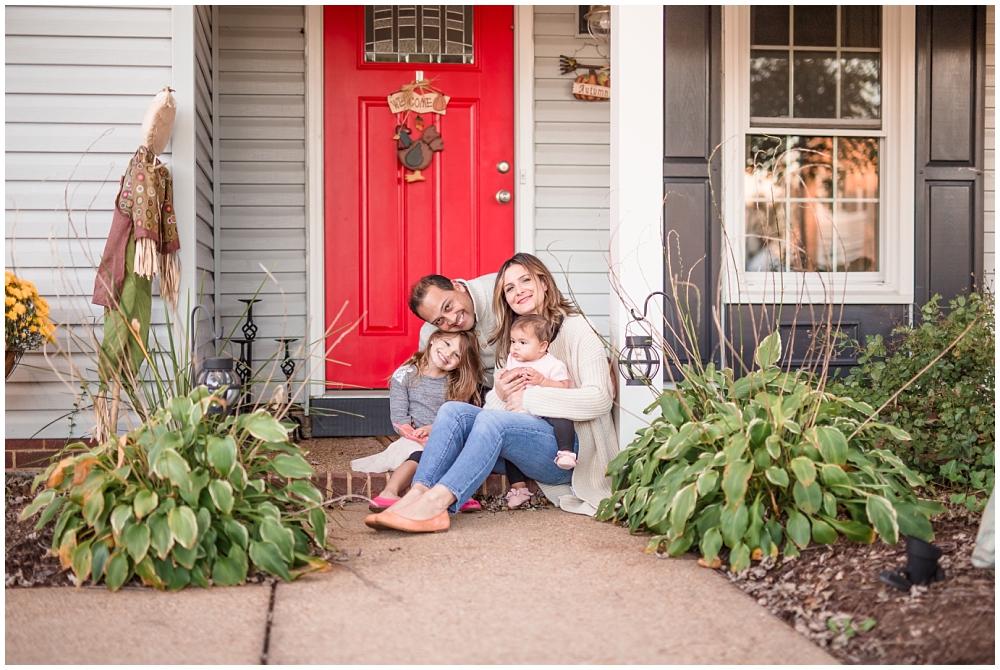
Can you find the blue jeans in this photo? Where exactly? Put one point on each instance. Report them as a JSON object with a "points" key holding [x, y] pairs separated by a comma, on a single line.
{"points": [[469, 442]]}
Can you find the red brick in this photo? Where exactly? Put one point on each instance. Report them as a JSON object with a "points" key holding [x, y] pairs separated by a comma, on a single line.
{"points": [[338, 484], [34, 460], [493, 486], [8, 460], [43, 444]]}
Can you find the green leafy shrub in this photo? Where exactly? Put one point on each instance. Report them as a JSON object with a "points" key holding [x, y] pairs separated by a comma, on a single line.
{"points": [[188, 497], [950, 410], [749, 462]]}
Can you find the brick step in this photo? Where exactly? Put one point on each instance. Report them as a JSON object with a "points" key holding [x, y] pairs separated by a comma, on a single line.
{"points": [[35, 455]]}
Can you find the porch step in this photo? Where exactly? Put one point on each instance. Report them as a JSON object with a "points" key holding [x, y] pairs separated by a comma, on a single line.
{"points": [[34, 456]]}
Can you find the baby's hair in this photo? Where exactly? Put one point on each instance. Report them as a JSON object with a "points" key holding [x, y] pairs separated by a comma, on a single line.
{"points": [[463, 382], [535, 324]]}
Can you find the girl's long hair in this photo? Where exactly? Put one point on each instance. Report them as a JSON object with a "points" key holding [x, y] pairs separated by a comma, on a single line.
{"points": [[464, 382], [554, 309]]}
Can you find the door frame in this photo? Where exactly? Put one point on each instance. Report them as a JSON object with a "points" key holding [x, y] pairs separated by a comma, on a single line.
{"points": [[524, 182]]}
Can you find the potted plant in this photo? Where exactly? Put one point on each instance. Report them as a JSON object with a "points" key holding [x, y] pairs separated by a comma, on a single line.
{"points": [[27, 323]]}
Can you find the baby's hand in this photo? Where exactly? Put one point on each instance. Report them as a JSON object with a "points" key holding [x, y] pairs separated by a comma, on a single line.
{"points": [[532, 376]]}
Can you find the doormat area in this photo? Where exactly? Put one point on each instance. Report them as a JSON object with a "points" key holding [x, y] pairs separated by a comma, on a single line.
{"points": [[334, 454]]}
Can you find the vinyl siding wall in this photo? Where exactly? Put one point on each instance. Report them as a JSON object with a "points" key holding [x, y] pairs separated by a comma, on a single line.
{"points": [[261, 186], [204, 173], [78, 82], [572, 166], [989, 220]]}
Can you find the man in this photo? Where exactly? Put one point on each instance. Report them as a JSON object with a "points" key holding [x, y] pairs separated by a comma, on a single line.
{"points": [[454, 306]]}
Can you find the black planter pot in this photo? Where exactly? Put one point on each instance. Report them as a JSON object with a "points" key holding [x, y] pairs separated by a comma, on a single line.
{"points": [[921, 566], [922, 561]]}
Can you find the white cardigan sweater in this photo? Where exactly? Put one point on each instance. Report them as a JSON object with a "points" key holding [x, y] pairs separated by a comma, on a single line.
{"points": [[588, 405]]}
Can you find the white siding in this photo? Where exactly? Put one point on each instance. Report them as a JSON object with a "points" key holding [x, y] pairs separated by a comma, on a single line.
{"points": [[572, 166], [261, 108], [989, 220], [204, 175], [77, 84]]}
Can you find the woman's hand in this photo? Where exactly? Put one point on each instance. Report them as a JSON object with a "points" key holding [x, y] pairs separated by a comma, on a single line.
{"points": [[507, 382], [515, 401]]}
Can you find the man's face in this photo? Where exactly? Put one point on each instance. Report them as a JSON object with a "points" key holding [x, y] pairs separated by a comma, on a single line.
{"points": [[450, 311]]}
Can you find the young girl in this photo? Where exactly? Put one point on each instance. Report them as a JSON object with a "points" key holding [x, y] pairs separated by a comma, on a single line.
{"points": [[449, 368], [530, 336]]}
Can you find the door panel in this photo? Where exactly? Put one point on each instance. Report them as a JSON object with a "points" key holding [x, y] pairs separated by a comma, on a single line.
{"points": [[383, 233]]}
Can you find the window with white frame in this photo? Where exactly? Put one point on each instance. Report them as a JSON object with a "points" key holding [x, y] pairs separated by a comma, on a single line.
{"points": [[817, 128]]}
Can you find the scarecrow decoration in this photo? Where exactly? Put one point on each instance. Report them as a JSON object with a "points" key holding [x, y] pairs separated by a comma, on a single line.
{"points": [[595, 85], [417, 153], [143, 242]]}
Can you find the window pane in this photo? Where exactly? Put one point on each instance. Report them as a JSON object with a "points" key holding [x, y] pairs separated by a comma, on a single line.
{"points": [[769, 25], [815, 85], [418, 33], [861, 26], [769, 83], [815, 25], [856, 240], [857, 167], [810, 237], [765, 167], [808, 210], [764, 241], [860, 88], [810, 167]]}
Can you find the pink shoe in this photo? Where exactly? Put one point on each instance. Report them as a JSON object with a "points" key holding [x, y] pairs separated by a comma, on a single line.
{"points": [[379, 503], [471, 506], [517, 497], [565, 460]]}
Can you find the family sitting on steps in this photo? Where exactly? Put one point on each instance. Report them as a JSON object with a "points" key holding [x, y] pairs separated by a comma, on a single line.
{"points": [[547, 416]]}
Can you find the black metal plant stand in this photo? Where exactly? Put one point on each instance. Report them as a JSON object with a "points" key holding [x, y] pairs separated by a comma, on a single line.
{"points": [[287, 363], [246, 347], [243, 369]]}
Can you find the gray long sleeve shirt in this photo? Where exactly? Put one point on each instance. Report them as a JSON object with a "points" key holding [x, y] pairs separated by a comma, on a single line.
{"points": [[418, 404]]}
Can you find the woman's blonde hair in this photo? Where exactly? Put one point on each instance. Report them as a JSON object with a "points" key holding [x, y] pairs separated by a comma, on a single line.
{"points": [[554, 308], [464, 382]]}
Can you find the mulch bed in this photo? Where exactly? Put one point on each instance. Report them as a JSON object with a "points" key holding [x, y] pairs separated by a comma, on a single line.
{"points": [[27, 561], [830, 591]]}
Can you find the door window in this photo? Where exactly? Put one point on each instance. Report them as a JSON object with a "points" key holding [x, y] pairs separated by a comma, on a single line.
{"points": [[418, 34]]}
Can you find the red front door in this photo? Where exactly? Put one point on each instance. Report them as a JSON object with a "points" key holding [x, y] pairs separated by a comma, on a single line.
{"points": [[383, 233]]}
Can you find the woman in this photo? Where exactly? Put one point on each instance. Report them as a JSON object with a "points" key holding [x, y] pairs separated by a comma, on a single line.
{"points": [[467, 441]]}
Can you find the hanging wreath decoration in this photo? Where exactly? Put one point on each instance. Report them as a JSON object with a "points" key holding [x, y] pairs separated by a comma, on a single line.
{"points": [[595, 85], [416, 153]]}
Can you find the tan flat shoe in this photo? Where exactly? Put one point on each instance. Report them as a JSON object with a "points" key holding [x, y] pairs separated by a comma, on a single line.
{"points": [[372, 521], [388, 519]]}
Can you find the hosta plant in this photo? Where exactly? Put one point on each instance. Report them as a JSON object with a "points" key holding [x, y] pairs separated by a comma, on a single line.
{"points": [[188, 497], [760, 461]]}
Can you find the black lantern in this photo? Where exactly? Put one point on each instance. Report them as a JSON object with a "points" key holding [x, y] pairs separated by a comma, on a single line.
{"points": [[217, 375], [639, 361]]}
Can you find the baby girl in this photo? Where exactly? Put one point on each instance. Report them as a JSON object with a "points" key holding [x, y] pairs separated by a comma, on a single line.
{"points": [[529, 343]]}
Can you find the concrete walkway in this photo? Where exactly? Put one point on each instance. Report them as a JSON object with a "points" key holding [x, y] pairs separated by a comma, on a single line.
{"points": [[537, 586]]}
